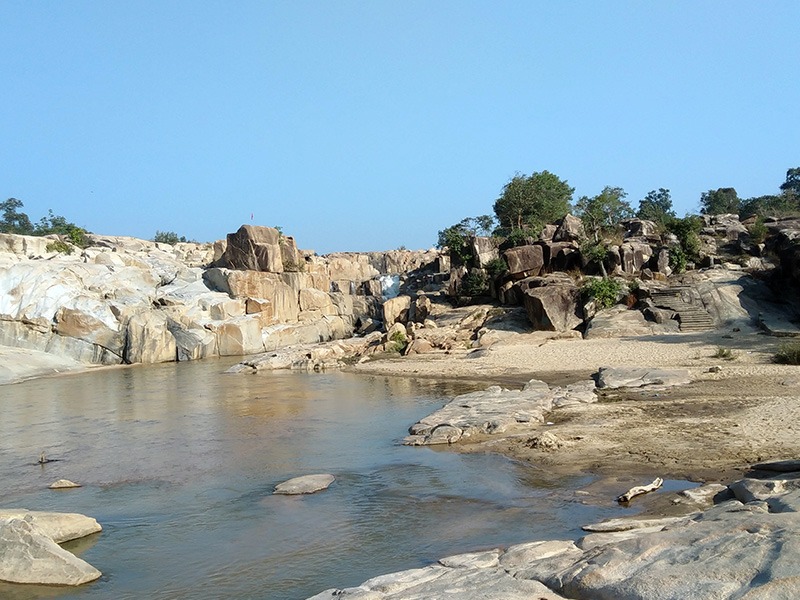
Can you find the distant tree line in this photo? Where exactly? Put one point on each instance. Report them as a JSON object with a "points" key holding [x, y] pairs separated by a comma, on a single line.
{"points": [[528, 202], [15, 221]]}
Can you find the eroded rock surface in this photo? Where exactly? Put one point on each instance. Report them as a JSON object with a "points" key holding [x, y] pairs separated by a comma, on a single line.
{"points": [[733, 550], [496, 410]]}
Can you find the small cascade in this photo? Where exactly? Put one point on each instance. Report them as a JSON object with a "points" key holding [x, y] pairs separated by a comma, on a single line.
{"points": [[390, 286]]}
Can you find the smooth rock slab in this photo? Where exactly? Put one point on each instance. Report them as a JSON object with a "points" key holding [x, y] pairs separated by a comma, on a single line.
{"points": [[307, 484], [27, 555], [619, 377], [60, 527], [441, 582]]}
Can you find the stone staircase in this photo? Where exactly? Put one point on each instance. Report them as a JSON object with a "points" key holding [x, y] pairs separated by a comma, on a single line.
{"points": [[691, 316]]}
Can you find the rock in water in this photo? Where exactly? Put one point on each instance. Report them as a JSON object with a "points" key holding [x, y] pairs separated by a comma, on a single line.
{"points": [[28, 555], [64, 484], [60, 527], [307, 484]]}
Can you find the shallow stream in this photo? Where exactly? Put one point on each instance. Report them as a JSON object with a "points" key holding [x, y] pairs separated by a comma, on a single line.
{"points": [[178, 463]]}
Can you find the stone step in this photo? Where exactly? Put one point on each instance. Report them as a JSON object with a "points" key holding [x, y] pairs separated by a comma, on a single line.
{"points": [[690, 316]]}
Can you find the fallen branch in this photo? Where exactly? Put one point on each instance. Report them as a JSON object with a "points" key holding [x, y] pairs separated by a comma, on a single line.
{"points": [[641, 489]]}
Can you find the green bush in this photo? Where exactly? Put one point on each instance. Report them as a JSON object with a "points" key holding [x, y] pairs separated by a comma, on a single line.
{"points": [[474, 284], [167, 237], [495, 267], [758, 231], [788, 354], [399, 342], [59, 246], [678, 259], [604, 292]]}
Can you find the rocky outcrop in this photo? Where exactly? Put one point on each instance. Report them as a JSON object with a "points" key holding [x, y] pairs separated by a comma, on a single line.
{"points": [[496, 410], [135, 301], [743, 547]]}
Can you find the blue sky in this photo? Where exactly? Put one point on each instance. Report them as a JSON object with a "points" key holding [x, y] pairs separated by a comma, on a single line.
{"points": [[371, 125]]}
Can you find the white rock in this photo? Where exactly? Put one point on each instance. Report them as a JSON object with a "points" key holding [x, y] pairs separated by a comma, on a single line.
{"points": [[307, 484], [28, 555], [63, 484]]}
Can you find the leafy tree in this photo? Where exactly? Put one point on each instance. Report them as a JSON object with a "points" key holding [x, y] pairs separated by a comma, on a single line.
{"points": [[781, 205], [792, 183], [530, 202], [456, 237], [56, 224], [687, 231], [656, 206], [604, 211], [14, 221], [720, 201]]}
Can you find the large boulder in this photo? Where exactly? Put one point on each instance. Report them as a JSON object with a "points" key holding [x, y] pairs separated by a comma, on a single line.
{"points": [[553, 304], [395, 310], [253, 248], [28, 555], [570, 229], [525, 261], [484, 249]]}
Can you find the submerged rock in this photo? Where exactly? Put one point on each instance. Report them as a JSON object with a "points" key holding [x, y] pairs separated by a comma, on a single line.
{"points": [[307, 484]]}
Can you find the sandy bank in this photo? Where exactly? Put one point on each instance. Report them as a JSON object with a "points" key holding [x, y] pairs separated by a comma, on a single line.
{"points": [[734, 413]]}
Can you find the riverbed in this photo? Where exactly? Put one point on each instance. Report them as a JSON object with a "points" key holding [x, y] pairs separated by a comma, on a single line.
{"points": [[178, 463]]}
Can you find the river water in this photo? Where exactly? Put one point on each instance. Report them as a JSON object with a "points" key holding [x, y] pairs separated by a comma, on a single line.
{"points": [[178, 463]]}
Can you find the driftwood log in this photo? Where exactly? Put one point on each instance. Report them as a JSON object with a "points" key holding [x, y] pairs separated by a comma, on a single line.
{"points": [[641, 489]]}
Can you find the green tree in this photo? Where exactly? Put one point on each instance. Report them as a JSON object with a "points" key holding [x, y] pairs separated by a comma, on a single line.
{"points": [[13, 220], [792, 183], [720, 201], [780, 205], [687, 231], [656, 206], [530, 202], [604, 211], [456, 237], [58, 225]]}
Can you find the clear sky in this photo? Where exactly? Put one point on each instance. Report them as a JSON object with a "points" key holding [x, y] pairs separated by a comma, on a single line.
{"points": [[367, 125]]}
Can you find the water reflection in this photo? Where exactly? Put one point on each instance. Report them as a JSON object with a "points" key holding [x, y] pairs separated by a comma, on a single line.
{"points": [[178, 463]]}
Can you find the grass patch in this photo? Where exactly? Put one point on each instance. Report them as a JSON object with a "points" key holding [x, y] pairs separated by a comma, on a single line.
{"points": [[788, 354], [724, 353]]}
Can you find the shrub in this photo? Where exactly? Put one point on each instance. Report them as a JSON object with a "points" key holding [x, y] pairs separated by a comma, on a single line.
{"points": [[678, 259], [788, 354], [724, 353], [604, 292], [59, 246], [495, 267], [758, 231], [399, 342], [474, 284], [294, 267], [167, 237]]}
